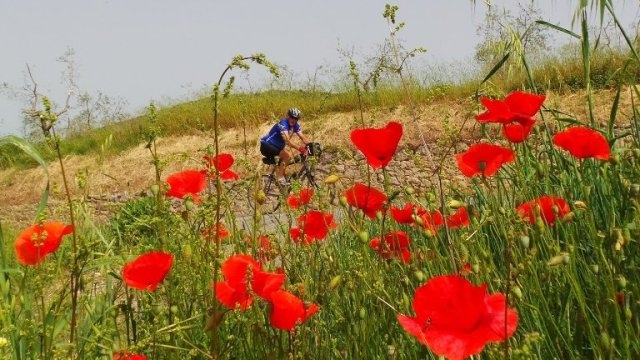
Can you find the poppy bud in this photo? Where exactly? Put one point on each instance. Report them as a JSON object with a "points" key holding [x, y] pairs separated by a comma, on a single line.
{"points": [[331, 179], [605, 340], [580, 205], [261, 197], [188, 204], [431, 197], [417, 220], [562, 258], [634, 189], [475, 267], [343, 201], [614, 159], [362, 313], [409, 190], [419, 275], [174, 309], [622, 281], [187, 252], [568, 217], [455, 204], [627, 313], [524, 241], [517, 292], [595, 268], [363, 236], [155, 189], [335, 282], [620, 241]]}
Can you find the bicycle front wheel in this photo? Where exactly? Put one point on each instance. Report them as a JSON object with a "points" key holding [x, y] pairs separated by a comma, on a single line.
{"points": [[272, 194]]}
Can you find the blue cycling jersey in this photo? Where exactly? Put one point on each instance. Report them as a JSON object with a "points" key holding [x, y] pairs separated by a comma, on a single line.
{"points": [[274, 137]]}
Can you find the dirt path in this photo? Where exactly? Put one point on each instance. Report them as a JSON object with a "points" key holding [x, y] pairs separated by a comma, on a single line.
{"points": [[121, 177]]}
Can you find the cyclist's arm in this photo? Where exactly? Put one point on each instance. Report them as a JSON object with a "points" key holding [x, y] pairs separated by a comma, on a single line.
{"points": [[287, 140], [303, 138]]}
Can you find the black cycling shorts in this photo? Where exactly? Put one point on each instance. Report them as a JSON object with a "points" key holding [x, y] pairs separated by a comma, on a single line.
{"points": [[268, 150]]}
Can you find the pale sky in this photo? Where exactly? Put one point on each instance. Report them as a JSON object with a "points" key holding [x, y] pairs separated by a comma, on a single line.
{"points": [[165, 51]]}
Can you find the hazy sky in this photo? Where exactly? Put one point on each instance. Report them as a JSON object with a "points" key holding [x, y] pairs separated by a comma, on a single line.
{"points": [[161, 50]]}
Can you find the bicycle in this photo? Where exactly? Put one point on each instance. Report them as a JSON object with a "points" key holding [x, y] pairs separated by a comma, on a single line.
{"points": [[274, 192]]}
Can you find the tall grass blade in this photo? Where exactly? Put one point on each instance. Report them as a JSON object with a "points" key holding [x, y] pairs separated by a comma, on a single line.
{"points": [[496, 67], [559, 28], [30, 150], [624, 33], [614, 112]]}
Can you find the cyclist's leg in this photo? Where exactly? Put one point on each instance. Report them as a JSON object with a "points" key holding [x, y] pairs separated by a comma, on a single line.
{"points": [[284, 160]]}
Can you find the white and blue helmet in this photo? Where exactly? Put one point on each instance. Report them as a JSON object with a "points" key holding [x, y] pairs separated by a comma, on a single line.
{"points": [[294, 113]]}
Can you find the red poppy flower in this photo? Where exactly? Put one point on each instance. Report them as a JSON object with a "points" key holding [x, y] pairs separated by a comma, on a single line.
{"points": [[315, 225], [518, 130], [516, 106], [458, 219], [456, 319], [394, 245], [264, 247], [484, 159], [583, 142], [128, 356], [406, 214], [186, 183], [222, 164], [35, 242], [369, 200], [550, 208], [299, 237], [287, 310], [300, 199], [430, 220], [148, 270], [221, 230], [240, 271], [378, 144]]}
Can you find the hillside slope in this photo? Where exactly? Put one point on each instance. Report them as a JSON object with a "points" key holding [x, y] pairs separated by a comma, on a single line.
{"points": [[445, 124]]}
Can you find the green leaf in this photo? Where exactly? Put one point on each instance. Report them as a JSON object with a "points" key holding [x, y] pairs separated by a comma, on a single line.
{"points": [[559, 28]]}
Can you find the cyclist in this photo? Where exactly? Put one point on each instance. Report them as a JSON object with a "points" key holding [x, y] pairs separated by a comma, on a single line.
{"points": [[275, 142]]}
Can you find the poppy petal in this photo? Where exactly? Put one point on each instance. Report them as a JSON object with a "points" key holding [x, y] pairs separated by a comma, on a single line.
{"points": [[148, 270], [378, 145], [583, 142]]}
